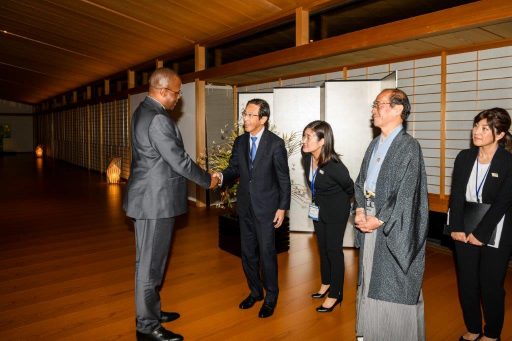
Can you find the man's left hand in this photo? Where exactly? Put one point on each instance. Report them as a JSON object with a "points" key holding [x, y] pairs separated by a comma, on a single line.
{"points": [[279, 218], [370, 225]]}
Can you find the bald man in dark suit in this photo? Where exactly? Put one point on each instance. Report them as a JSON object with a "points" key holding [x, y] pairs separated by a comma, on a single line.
{"points": [[156, 194]]}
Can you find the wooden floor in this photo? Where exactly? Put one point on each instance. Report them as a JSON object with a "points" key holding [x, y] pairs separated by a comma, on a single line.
{"points": [[67, 254]]}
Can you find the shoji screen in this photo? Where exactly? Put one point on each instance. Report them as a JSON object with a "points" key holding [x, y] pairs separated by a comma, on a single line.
{"points": [[421, 81], [475, 81], [94, 137]]}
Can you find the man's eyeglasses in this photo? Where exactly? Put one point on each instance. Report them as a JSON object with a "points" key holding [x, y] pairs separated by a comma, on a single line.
{"points": [[177, 93], [247, 115], [376, 105]]}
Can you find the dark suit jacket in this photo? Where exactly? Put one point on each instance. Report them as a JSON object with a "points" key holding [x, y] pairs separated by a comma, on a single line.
{"points": [[157, 187], [497, 191], [333, 189], [267, 187]]}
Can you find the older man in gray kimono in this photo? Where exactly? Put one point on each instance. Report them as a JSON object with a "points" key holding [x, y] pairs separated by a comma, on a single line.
{"points": [[392, 218]]}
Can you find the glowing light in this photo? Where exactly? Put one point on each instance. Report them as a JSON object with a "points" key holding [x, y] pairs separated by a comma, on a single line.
{"points": [[39, 151], [114, 171]]}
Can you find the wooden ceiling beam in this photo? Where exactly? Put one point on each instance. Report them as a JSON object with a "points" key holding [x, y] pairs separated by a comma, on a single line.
{"points": [[462, 17], [274, 20]]}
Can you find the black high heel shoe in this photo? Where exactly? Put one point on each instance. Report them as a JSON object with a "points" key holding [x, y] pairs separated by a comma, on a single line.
{"points": [[322, 309], [477, 338], [319, 295]]}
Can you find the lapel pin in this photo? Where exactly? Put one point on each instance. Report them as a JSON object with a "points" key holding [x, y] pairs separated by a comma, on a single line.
{"points": [[494, 175], [321, 171]]}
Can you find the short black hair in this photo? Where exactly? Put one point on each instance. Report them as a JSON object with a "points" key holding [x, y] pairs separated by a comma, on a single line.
{"points": [[264, 108]]}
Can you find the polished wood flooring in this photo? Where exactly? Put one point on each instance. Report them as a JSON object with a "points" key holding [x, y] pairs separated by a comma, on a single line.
{"points": [[67, 254]]}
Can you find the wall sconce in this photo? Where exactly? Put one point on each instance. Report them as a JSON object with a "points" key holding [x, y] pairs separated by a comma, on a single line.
{"points": [[114, 171], [39, 151]]}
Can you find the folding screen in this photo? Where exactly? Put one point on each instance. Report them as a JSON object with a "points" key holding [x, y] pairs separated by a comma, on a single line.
{"points": [[294, 108]]}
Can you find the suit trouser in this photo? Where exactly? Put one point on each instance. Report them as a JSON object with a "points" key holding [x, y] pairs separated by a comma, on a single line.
{"points": [[152, 242], [258, 246], [481, 275], [332, 261]]}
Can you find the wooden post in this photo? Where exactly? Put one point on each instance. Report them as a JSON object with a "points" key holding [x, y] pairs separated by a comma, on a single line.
{"points": [[131, 79], [218, 57], [176, 67], [200, 63], [442, 161], [301, 27], [235, 104], [107, 86], [200, 57]]}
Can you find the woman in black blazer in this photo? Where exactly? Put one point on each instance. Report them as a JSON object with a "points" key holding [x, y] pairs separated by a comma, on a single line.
{"points": [[331, 189], [483, 174]]}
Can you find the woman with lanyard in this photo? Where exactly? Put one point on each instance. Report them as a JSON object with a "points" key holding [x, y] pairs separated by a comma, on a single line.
{"points": [[331, 189], [482, 178]]}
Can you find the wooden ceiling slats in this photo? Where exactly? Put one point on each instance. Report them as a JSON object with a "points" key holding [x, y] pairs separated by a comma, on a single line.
{"points": [[503, 30], [94, 39]]}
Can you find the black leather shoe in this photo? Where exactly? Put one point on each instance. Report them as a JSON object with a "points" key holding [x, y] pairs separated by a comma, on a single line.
{"points": [[168, 316], [249, 302], [266, 310], [159, 334], [319, 295], [322, 309]]}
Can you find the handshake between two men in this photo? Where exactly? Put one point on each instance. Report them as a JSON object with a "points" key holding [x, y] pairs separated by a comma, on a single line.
{"points": [[215, 179]]}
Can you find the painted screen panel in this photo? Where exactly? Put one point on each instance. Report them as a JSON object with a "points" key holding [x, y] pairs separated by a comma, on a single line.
{"points": [[294, 108]]}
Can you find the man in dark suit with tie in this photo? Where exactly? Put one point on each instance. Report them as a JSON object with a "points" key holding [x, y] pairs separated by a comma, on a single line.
{"points": [[156, 194], [259, 160]]}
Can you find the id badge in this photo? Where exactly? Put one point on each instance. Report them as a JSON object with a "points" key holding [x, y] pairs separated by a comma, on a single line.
{"points": [[314, 211]]}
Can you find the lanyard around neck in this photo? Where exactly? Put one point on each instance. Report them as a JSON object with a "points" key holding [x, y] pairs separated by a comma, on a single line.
{"points": [[479, 187], [313, 177]]}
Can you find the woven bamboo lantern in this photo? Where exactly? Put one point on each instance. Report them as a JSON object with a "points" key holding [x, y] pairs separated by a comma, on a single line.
{"points": [[114, 171]]}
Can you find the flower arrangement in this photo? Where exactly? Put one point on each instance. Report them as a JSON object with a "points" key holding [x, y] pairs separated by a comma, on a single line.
{"points": [[219, 153]]}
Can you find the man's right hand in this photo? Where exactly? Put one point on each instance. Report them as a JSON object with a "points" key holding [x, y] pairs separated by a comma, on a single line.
{"points": [[360, 217], [215, 180]]}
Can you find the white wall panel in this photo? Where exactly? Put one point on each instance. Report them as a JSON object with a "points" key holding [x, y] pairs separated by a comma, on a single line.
{"points": [[461, 67], [495, 53], [187, 125], [347, 110], [461, 57], [427, 62], [461, 86]]}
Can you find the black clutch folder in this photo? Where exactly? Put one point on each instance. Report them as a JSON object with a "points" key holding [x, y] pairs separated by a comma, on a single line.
{"points": [[473, 215]]}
